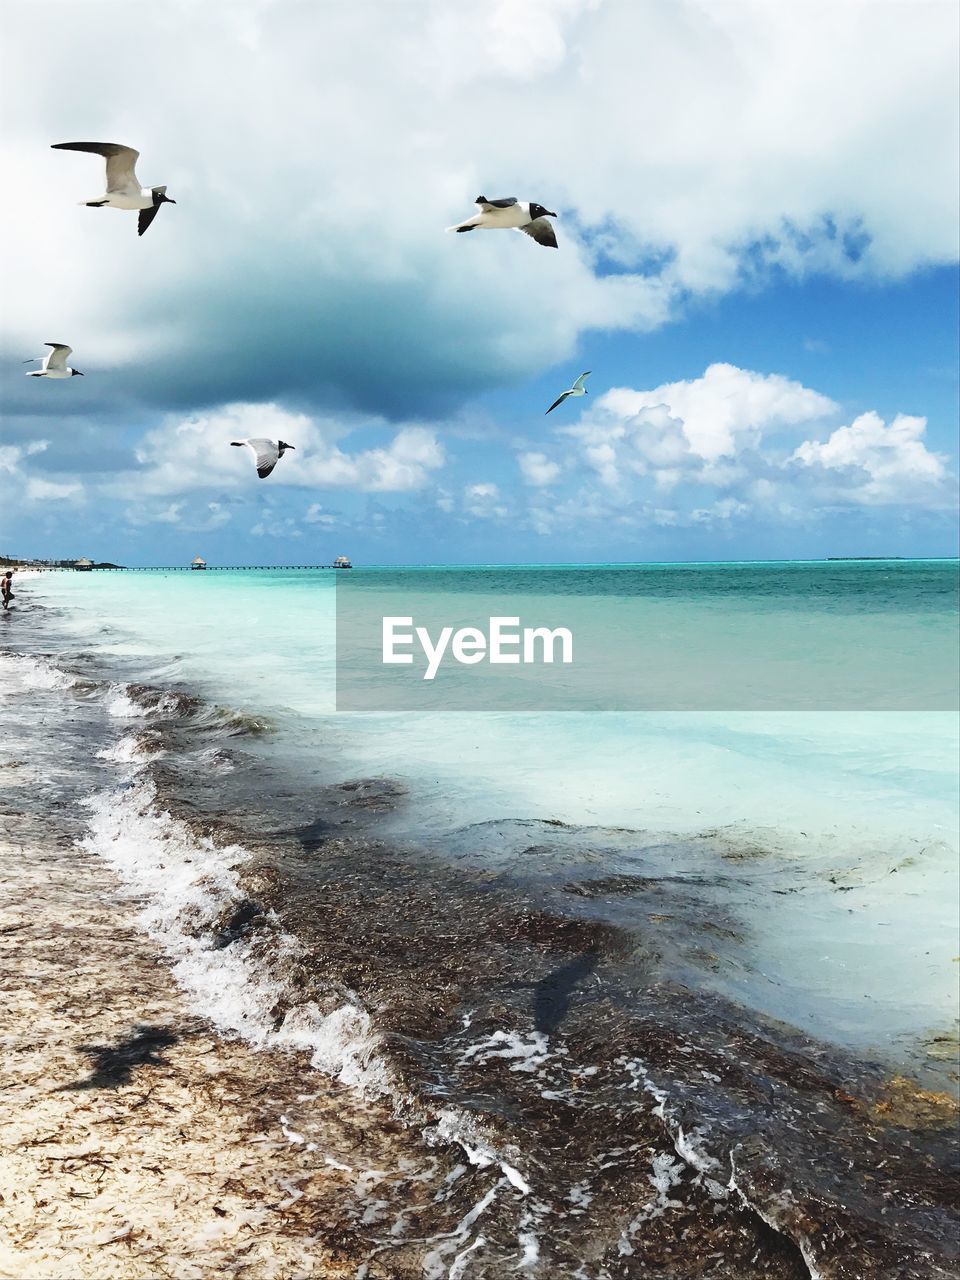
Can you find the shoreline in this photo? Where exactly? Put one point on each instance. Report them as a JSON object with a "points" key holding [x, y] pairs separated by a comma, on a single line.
{"points": [[139, 1141], [349, 1173]]}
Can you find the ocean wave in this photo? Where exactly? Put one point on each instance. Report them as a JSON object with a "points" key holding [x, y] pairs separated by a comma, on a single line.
{"points": [[132, 748], [34, 672], [191, 889]]}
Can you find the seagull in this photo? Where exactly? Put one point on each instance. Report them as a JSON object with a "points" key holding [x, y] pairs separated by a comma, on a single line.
{"points": [[578, 389], [55, 364], [266, 452], [529, 218], [123, 185]]}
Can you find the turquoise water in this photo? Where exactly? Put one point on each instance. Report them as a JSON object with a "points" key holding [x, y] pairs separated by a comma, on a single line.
{"points": [[850, 817]]}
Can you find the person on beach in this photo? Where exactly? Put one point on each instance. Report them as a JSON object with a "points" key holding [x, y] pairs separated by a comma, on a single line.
{"points": [[6, 588]]}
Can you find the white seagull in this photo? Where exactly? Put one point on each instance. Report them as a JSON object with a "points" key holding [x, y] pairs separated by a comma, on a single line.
{"points": [[55, 364], [520, 215], [578, 389], [123, 186], [266, 452]]}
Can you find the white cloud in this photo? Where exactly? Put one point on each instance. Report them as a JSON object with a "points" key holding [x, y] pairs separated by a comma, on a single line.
{"points": [[52, 490], [872, 462], [169, 514], [196, 453], [709, 418], [199, 518], [737, 156], [537, 469], [656, 454], [11, 455], [316, 514], [272, 526], [482, 500]]}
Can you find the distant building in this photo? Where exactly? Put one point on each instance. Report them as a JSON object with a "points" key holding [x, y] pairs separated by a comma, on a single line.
{"points": [[84, 565], [198, 562], [342, 562]]}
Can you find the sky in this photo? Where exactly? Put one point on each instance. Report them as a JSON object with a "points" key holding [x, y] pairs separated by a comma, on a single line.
{"points": [[758, 245]]}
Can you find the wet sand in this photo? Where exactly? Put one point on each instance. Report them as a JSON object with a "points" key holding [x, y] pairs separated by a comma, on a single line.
{"points": [[137, 1142]]}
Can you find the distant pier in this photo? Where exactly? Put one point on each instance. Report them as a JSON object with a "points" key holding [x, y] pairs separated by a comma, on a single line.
{"points": [[175, 568], [210, 568]]}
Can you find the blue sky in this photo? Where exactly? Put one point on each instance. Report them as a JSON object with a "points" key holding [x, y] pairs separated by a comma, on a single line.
{"points": [[758, 242]]}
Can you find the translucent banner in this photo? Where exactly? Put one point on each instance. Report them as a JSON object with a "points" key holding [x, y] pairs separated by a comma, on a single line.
{"points": [[848, 636]]}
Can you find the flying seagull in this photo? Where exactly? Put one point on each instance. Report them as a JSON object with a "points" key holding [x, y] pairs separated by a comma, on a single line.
{"points": [[578, 389], [55, 364], [266, 452], [123, 185], [519, 214]]}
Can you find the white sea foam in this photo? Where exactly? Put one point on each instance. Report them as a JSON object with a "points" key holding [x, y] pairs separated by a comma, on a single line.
{"points": [[529, 1052], [188, 885], [121, 706], [666, 1174], [455, 1126], [130, 749], [21, 671]]}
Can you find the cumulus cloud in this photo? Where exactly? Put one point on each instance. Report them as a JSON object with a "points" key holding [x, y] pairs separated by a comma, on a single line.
{"points": [[317, 514], [872, 462], [328, 279], [195, 517], [537, 469], [482, 501], [711, 417], [316, 297], [732, 433], [12, 454], [195, 453], [52, 490]]}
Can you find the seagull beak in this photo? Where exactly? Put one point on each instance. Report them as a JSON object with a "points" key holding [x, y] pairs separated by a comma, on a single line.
{"points": [[549, 214], [78, 373]]}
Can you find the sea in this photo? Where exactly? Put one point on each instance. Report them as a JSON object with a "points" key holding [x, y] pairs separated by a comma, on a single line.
{"points": [[660, 989]]}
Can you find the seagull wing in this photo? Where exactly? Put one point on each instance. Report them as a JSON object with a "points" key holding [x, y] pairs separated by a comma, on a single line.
{"points": [[267, 454], [121, 176], [578, 385], [541, 231], [505, 203], [146, 217], [57, 359], [556, 402]]}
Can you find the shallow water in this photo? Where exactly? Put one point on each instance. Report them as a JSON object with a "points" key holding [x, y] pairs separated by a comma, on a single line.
{"points": [[848, 819]]}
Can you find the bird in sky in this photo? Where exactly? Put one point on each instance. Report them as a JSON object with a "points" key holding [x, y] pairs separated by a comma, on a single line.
{"points": [[520, 215], [578, 389], [267, 453], [123, 185], [55, 364]]}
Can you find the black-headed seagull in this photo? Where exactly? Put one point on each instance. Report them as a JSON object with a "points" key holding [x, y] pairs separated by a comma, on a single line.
{"points": [[55, 364], [578, 389], [511, 213], [267, 453], [123, 186]]}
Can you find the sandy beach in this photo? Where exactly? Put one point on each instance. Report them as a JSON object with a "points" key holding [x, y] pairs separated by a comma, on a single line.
{"points": [[135, 1141]]}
